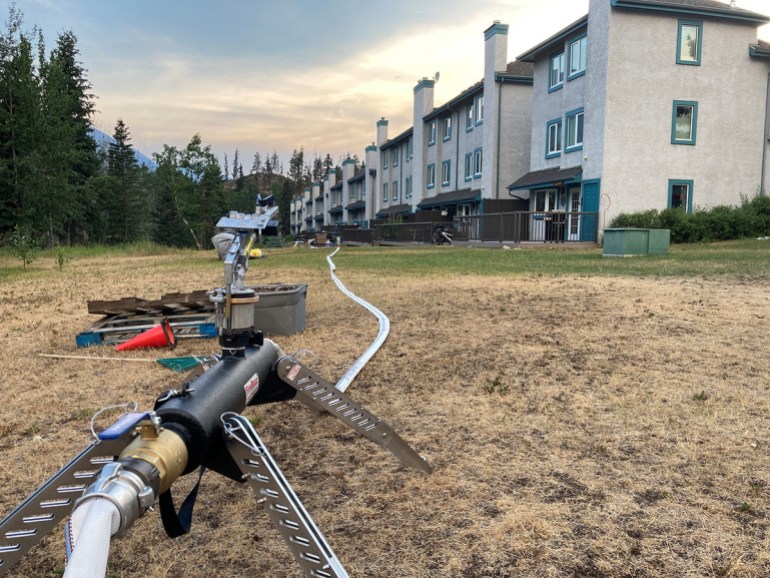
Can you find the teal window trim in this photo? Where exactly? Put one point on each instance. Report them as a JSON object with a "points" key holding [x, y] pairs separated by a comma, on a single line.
{"points": [[394, 190], [556, 84], [468, 166], [698, 24], [582, 42], [446, 173], [578, 116], [693, 122], [469, 118], [553, 151], [478, 110], [385, 193], [477, 161], [430, 181], [432, 128], [676, 182], [446, 129]]}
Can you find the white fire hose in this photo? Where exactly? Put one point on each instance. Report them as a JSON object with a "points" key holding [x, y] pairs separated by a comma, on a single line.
{"points": [[88, 534], [382, 335]]}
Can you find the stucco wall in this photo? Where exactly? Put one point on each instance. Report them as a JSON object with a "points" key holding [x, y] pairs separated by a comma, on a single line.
{"points": [[514, 146], [643, 81]]}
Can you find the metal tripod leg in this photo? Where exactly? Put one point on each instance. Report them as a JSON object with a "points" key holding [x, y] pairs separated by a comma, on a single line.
{"points": [[287, 513], [36, 516], [322, 395]]}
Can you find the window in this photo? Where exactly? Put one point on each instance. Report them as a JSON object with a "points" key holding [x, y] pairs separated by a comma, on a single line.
{"points": [[468, 173], [577, 58], [469, 117], [689, 42], [574, 136], [408, 187], [556, 77], [431, 178], [684, 122], [409, 149], [394, 155], [680, 195], [395, 191], [446, 172], [432, 132], [385, 161], [353, 190], [385, 192], [553, 139], [446, 128], [478, 109], [477, 159]]}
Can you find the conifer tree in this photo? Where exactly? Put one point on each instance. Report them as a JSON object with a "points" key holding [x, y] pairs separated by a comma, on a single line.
{"points": [[127, 208]]}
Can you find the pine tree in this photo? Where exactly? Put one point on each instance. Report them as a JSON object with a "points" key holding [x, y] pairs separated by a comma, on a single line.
{"points": [[235, 165], [127, 209], [19, 125], [67, 158]]}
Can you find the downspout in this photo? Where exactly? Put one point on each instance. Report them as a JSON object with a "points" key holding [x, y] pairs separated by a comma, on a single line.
{"points": [[499, 137], [766, 137]]}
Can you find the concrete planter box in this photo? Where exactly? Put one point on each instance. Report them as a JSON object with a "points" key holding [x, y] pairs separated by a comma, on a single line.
{"points": [[627, 242], [280, 309]]}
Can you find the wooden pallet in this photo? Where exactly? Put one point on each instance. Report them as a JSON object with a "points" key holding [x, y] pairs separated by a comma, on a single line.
{"points": [[190, 315]]}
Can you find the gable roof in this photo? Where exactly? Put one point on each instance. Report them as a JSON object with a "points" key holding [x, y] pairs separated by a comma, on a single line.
{"points": [[558, 38], [714, 8]]}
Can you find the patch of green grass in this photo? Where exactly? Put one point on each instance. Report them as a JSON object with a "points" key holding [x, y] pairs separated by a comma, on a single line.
{"points": [[700, 396], [748, 259]]}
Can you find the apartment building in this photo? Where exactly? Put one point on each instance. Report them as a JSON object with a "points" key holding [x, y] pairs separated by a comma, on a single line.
{"points": [[459, 157], [648, 104], [641, 104]]}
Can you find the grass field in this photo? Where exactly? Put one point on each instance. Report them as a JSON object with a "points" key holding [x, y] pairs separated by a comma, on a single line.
{"points": [[585, 417]]}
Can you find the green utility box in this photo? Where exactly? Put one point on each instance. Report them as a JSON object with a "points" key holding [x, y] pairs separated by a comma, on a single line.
{"points": [[281, 309], [628, 242]]}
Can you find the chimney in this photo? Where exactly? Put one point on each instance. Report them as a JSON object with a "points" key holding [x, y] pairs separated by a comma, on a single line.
{"points": [[382, 131], [495, 48]]}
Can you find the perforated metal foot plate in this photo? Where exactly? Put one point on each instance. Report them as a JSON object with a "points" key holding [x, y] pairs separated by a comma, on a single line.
{"points": [[282, 505], [322, 395], [36, 516]]}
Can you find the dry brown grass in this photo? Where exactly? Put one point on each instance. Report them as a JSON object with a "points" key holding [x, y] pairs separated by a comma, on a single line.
{"points": [[579, 427]]}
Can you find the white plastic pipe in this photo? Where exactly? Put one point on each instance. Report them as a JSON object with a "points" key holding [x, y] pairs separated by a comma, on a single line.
{"points": [[88, 534], [382, 335]]}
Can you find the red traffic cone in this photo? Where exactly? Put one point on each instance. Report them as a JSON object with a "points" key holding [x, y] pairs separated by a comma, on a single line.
{"points": [[159, 336]]}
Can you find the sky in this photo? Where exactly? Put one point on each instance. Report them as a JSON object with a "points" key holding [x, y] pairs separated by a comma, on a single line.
{"points": [[259, 76]]}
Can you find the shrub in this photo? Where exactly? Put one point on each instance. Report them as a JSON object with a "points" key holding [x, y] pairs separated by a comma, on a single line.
{"points": [[720, 223]]}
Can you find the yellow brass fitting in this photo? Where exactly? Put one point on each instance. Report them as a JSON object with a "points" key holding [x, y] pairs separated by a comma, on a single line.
{"points": [[163, 449]]}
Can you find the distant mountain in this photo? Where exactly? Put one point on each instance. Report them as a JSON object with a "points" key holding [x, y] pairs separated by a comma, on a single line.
{"points": [[103, 140]]}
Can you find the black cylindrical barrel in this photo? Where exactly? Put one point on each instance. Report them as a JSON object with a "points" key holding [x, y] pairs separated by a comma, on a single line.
{"points": [[228, 386]]}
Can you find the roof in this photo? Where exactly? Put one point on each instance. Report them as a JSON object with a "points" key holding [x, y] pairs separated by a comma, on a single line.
{"points": [[335, 210], [394, 210], [558, 38], [546, 177], [397, 139], [695, 7], [355, 206], [467, 94], [760, 50], [517, 71], [453, 198], [359, 176]]}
